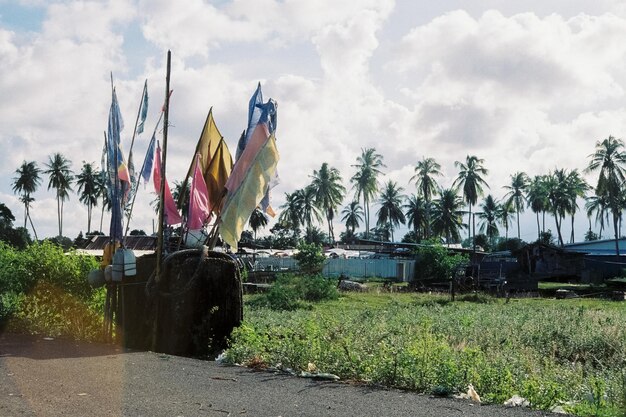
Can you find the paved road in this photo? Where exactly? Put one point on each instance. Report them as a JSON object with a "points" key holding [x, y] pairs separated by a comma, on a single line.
{"points": [[41, 377]]}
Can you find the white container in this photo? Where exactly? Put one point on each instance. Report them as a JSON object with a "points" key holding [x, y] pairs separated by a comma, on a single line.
{"points": [[124, 264]]}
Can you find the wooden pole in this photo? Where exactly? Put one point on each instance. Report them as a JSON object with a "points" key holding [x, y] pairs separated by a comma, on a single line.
{"points": [[159, 248]]}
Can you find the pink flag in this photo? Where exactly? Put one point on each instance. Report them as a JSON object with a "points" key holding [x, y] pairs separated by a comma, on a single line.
{"points": [[198, 199], [171, 213]]}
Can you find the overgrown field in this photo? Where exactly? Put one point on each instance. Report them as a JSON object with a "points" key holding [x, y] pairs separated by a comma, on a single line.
{"points": [[551, 352]]}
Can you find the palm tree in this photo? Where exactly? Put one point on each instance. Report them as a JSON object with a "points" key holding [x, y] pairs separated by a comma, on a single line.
{"points": [[515, 195], [489, 218], [352, 215], [257, 221], [610, 159], [576, 187], [426, 185], [600, 206], [103, 193], [61, 180], [329, 193], [366, 179], [417, 212], [88, 187], [505, 216], [390, 212], [537, 199], [447, 215], [305, 201], [559, 200], [290, 216], [471, 180], [26, 183]]}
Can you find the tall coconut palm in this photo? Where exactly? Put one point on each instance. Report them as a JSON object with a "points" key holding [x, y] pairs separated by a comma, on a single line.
{"points": [[609, 158], [558, 198], [61, 180], [309, 211], [425, 171], [88, 189], [471, 181], [291, 215], [25, 183], [515, 194], [390, 211], [365, 181], [352, 215], [600, 206], [329, 193], [489, 218], [505, 216], [258, 220], [417, 209], [447, 215], [577, 187], [537, 199]]}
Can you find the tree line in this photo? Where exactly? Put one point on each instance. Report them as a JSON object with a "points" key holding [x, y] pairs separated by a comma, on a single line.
{"points": [[431, 212]]}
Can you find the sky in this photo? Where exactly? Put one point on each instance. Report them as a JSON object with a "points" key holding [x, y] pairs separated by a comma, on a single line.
{"points": [[527, 86]]}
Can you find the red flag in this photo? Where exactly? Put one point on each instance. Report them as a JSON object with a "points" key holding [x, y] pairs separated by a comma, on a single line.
{"points": [[171, 213], [198, 199]]}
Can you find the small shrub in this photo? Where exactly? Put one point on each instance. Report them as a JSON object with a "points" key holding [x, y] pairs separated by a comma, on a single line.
{"points": [[290, 292], [435, 262], [310, 258]]}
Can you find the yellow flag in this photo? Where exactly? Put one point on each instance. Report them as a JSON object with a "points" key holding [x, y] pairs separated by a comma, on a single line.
{"points": [[217, 174], [207, 144], [248, 190]]}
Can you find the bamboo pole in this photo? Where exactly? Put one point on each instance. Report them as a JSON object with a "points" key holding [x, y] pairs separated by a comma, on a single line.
{"points": [[163, 165]]}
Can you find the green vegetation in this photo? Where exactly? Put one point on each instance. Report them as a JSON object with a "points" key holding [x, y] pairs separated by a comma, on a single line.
{"points": [[291, 292], [44, 291], [571, 353]]}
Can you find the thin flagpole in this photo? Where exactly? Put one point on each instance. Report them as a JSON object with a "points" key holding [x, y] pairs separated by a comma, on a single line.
{"points": [[132, 204]]}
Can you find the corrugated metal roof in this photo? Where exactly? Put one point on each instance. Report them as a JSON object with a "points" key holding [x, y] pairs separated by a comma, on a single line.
{"points": [[144, 243]]}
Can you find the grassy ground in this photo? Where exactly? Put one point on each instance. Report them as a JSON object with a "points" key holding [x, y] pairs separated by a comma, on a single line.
{"points": [[551, 352]]}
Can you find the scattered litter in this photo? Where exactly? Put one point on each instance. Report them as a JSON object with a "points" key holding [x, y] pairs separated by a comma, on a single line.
{"points": [[48, 338], [517, 401], [221, 358], [311, 367], [320, 375], [557, 409], [82, 394]]}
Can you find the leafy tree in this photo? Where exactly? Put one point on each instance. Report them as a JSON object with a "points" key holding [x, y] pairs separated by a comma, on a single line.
{"points": [[417, 215], [305, 201], [427, 186], [310, 258], [590, 236], [489, 219], [366, 180], [61, 180], [257, 221], [390, 212], [447, 215], [537, 199], [137, 232], [26, 183], [436, 262], [471, 181], [609, 158], [282, 237], [16, 237], [352, 215], [329, 193], [600, 206], [290, 215], [515, 195], [88, 188], [577, 187], [182, 205]]}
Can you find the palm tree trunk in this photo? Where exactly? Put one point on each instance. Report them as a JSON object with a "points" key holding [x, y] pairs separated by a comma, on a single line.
{"points": [[615, 227], [59, 213], [558, 228], [572, 235], [538, 228], [469, 222], [518, 232], [543, 213], [32, 225], [101, 216]]}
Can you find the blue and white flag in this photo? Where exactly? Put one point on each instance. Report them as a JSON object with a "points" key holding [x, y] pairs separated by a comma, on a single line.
{"points": [[149, 160], [144, 108]]}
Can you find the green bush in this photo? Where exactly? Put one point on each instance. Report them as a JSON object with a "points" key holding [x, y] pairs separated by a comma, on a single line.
{"points": [[290, 292], [310, 258], [436, 262]]}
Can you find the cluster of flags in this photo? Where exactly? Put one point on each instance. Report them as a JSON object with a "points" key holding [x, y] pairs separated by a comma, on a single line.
{"points": [[221, 191]]}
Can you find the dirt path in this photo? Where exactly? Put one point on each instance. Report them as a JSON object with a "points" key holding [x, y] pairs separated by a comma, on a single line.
{"points": [[41, 377]]}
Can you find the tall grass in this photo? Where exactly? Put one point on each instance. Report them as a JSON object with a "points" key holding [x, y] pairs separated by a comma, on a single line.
{"points": [[550, 352]]}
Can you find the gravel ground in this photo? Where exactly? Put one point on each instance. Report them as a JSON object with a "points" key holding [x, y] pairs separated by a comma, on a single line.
{"points": [[40, 377]]}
